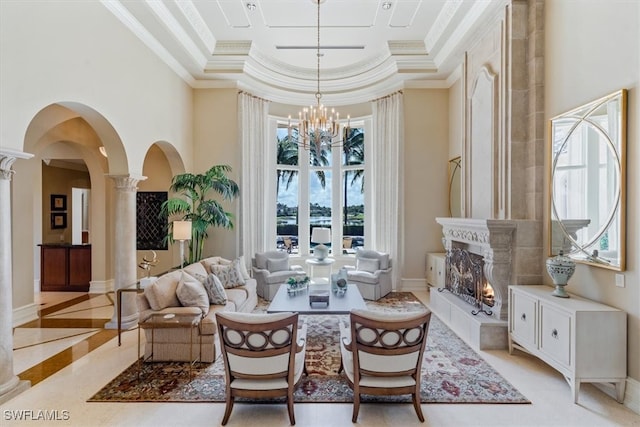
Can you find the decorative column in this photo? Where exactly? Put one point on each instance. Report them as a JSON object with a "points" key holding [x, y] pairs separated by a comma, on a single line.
{"points": [[125, 248], [10, 384]]}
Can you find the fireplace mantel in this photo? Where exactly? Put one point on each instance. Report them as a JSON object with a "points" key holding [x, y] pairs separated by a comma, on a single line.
{"points": [[512, 252]]}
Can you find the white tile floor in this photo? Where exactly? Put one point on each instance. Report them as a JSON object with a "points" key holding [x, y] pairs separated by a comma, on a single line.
{"points": [[67, 391]]}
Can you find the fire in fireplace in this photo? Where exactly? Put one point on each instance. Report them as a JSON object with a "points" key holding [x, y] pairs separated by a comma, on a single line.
{"points": [[465, 278]]}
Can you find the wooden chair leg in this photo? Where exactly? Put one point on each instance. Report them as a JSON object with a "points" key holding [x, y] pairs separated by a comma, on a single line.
{"points": [[416, 405], [356, 407], [292, 415], [228, 409]]}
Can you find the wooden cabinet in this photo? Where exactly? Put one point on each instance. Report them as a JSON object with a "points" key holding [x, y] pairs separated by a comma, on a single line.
{"points": [[584, 340], [65, 267], [435, 269]]}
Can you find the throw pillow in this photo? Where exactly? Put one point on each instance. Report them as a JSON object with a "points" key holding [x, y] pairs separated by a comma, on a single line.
{"points": [[162, 293], [215, 290], [274, 265], [191, 293], [243, 268], [368, 264], [229, 275]]}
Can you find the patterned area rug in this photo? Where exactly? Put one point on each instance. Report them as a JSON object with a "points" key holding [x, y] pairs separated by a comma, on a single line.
{"points": [[451, 373]]}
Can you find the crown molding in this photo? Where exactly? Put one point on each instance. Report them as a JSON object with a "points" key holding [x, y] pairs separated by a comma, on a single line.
{"points": [[130, 22], [197, 23]]}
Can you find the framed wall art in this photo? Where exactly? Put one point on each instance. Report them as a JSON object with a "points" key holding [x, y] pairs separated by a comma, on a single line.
{"points": [[58, 202], [58, 221], [150, 226]]}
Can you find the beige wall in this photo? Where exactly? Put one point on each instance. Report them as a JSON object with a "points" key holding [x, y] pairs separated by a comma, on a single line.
{"points": [[216, 142], [591, 50], [426, 142]]}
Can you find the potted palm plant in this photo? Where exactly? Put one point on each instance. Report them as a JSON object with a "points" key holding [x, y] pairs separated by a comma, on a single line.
{"points": [[195, 205]]}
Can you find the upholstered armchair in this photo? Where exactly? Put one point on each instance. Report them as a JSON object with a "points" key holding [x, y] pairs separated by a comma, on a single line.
{"points": [[263, 356], [271, 269], [372, 274], [382, 354]]}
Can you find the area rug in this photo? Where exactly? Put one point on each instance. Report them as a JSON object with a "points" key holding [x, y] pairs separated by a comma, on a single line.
{"points": [[452, 372]]}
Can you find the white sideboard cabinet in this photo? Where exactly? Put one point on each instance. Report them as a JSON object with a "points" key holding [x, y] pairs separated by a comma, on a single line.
{"points": [[435, 269], [584, 340]]}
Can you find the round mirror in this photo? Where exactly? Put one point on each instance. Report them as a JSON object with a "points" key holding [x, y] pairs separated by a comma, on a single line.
{"points": [[587, 176]]}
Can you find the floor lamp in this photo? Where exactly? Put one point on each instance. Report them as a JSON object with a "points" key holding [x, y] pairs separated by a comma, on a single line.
{"points": [[181, 232]]}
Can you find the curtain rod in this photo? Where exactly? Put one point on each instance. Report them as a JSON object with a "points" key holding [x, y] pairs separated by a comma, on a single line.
{"points": [[241, 92], [387, 96]]}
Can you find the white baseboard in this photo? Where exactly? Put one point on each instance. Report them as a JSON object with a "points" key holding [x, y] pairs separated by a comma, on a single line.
{"points": [[413, 285], [631, 394], [25, 314], [100, 286]]}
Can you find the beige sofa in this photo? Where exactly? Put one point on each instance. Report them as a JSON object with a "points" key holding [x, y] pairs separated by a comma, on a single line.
{"points": [[172, 344]]}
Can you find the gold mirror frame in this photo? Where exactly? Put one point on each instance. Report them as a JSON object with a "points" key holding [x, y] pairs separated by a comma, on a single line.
{"points": [[455, 187], [587, 180]]}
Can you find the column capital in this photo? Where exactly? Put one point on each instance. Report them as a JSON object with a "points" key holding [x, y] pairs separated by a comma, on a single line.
{"points": [[7, 157], [127, 182]]}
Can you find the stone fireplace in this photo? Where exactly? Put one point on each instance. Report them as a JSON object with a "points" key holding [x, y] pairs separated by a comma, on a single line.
{"points": [[484, 257]]}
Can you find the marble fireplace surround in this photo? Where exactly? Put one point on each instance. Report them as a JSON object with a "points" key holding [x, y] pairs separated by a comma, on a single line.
{"points": [[512, 252]]}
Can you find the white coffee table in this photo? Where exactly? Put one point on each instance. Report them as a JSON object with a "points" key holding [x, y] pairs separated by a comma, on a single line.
{"points": [[299, 302]]}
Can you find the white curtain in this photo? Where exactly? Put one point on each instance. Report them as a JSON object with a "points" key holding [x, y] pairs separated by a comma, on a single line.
{"points": [[386, 155], [253, 133]]}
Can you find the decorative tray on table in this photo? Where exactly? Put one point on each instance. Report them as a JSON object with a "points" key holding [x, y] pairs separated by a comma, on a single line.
{"points": [[296, 285]]}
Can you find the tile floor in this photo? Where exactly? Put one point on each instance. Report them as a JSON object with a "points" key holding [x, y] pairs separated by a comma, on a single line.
{"points": [[68, 357]]}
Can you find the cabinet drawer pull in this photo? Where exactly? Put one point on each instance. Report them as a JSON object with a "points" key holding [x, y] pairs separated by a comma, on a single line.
{"points": [[554, 333], [523, 317]]}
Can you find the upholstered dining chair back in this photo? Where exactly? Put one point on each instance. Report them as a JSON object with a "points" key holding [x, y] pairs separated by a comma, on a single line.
{"points": [[263, 356], [382, 354]]}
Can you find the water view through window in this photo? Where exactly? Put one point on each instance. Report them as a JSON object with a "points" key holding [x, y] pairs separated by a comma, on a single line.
{"points": [[334, 181]]}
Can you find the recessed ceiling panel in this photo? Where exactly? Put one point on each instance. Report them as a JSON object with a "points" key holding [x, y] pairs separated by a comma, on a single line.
{"points": [[235, 13], [404, 13], [303, 13]]}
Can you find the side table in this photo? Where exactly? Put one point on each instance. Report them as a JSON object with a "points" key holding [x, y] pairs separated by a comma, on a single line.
{"points": [[313, 262], [119, 292], [171, 320]]}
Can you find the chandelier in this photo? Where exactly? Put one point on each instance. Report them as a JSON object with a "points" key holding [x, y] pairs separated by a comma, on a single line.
{"points": [[319, 128]]}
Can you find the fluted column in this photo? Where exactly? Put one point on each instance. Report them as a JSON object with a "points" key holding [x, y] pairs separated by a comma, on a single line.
{"points": [[10, 384], [125, 247]]}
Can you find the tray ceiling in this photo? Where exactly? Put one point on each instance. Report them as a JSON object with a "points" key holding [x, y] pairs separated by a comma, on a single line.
{"points": [[269, 46]]}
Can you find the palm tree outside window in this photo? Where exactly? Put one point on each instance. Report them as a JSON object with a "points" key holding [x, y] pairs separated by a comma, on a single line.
{"points": [[328, 172]]}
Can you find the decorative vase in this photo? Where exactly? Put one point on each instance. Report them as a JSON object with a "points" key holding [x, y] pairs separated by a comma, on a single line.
{"points": [[560, 268], [341, 287]]}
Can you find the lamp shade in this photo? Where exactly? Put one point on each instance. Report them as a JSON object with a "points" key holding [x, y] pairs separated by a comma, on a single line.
{"points": [[321, 235], [181, 230]]}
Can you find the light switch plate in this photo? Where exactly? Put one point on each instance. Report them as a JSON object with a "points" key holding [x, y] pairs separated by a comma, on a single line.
{"points": [[620, 280]]}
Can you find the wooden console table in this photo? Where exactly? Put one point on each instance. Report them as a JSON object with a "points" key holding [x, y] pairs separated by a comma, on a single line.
{"points": [[65, 267]]}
